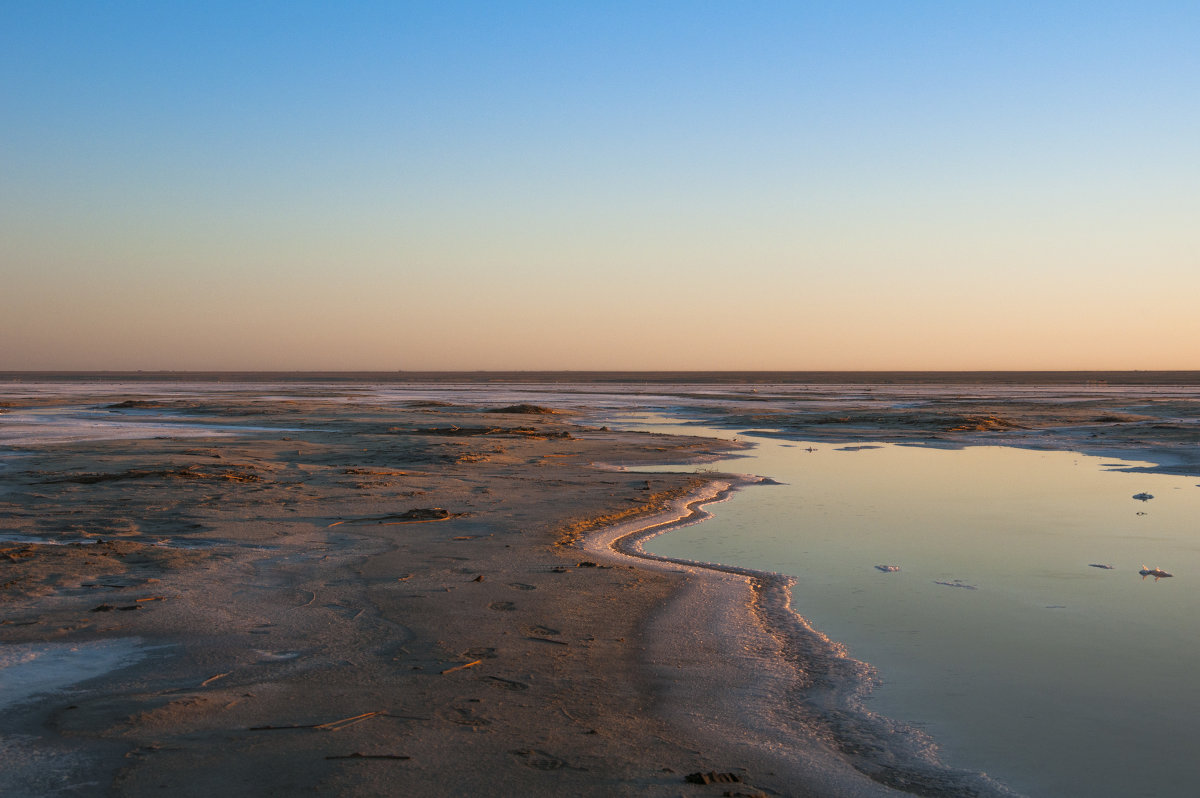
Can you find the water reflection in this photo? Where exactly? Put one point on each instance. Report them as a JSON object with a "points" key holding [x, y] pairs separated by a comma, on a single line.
{"points": [[1000, 630]]}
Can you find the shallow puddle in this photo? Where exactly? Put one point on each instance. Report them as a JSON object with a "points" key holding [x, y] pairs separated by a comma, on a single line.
{"points": [[28, 670]]}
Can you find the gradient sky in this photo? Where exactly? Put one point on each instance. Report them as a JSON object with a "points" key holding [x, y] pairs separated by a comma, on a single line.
{"points": [[600, 185]]}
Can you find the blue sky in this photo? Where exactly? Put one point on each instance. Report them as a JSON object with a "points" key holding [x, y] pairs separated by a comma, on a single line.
{"points": [[605, 185]]}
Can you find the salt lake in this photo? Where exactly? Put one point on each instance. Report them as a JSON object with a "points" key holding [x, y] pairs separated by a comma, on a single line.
{"points": [[998, 633]]}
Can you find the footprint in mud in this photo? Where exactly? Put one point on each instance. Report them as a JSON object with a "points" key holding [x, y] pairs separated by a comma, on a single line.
{"points": [[523, 586], [542, 630], [465, 713], [538, 760], [502, 606]]}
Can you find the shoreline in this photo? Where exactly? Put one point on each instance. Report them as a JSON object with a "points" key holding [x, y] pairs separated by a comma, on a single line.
{"points": [[481, 633], [803, 714], [303, 631]]}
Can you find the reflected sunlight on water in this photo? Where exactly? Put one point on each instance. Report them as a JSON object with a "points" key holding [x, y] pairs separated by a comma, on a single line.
{"points": [[1058, 677]]}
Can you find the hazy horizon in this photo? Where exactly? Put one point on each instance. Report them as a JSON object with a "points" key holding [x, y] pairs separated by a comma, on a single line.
{"points": [[537, 186], [995, 379]]}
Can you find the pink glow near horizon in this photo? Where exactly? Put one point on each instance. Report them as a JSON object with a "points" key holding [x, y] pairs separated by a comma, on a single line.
{"points": [[776, 188]]}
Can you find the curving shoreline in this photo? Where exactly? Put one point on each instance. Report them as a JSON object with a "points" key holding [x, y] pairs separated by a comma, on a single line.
{"points": [[281, 601], [794, 695], [284, 607]]}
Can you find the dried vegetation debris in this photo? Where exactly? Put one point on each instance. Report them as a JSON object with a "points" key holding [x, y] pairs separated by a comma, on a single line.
{"points": [[983, 423], [570, 533]]}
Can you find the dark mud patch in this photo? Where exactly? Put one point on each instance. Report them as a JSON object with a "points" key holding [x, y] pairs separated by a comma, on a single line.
{"points": [[527, 409], [195, 472], [416, 515], [533, 433], [38, 569], [138, 404]]}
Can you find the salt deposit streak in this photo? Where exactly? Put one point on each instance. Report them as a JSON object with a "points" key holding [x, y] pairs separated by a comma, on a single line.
{"points": [[821, 688], [40, 428], [44, 428]]}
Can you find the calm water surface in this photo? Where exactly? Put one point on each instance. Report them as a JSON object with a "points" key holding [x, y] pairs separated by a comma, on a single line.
{"points": [[996, 635]]}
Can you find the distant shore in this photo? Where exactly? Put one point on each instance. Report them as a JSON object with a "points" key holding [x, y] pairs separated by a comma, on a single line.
{"points": [[1048, 377]]}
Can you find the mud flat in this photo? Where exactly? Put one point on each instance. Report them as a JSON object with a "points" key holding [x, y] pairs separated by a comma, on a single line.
{"points": [[359, 599], [282, 588]]}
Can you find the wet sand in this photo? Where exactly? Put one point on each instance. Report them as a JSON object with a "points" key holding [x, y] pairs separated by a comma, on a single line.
{"points": [[373, 602]]}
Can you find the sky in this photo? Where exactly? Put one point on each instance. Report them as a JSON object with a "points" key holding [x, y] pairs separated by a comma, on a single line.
{"points": [[602, 185]]}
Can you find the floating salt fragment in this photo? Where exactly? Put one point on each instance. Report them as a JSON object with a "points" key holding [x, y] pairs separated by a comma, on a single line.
{"points": [[1143, 497], [1100, 565], [888, 569]]}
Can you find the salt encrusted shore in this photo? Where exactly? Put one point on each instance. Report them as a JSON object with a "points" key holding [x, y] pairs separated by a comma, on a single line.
{"points": [[347, 598], [361, 600], [745, 673]]}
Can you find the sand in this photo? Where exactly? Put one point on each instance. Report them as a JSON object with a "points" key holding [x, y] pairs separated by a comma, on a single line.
{"points": [[380, 602]]}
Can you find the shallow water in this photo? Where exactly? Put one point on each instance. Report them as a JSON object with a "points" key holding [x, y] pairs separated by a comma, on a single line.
{"points": [[30, 669], [996, 635]]}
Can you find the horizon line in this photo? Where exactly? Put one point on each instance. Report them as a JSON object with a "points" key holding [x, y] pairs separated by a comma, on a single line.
{"points": [[817, 376]]}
